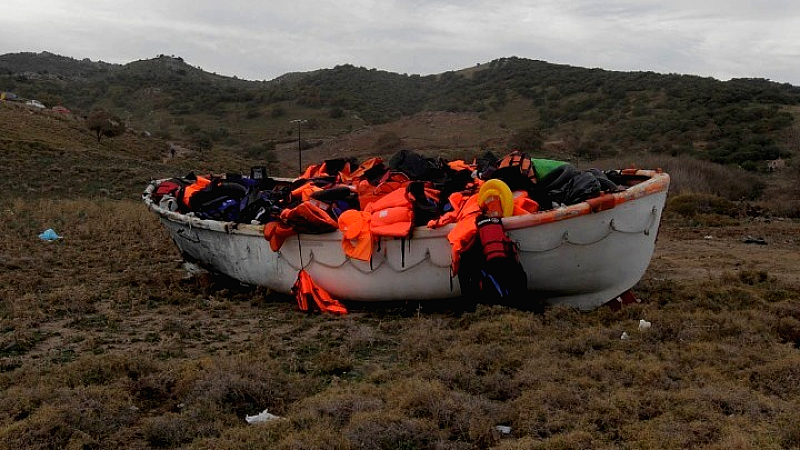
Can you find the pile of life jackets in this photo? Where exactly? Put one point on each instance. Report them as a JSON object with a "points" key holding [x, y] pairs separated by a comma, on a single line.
{"points": [[374, 200]]}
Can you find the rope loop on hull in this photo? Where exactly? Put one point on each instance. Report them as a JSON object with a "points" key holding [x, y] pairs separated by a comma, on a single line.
{"points": [[373, 268], [612, 228]]}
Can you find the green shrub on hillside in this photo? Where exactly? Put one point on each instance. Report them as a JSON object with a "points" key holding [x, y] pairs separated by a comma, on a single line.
{"points": [[689, 205]]}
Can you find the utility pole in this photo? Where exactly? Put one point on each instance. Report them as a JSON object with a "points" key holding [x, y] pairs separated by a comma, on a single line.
{"points": [[299, 123]]}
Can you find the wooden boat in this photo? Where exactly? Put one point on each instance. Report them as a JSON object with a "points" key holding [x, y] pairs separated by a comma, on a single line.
{"points": [[580, 255]]}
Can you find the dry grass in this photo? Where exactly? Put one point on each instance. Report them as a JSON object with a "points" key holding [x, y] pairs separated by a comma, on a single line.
{"points": [[691, 175], [104, 344], [744, 193]]}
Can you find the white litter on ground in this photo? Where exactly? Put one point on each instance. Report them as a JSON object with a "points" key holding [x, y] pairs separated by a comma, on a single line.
{"points": [[192, 269], [503, 429], [263, 416]]}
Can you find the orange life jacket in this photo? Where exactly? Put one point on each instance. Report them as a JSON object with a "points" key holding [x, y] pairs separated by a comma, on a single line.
{"points": [[312, 297], [521, 160], [321, 170], [357, 239], [312, 171], [276, 232], [391, 215], [358, 174], [191, 189], [457, 201], [344, 174], [305, 217], [308, 217], [523, 204], [304, 191], [465, 211], [391, 181], [459, 164]]}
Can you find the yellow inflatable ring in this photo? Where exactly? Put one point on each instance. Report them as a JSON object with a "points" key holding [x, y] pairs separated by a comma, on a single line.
{"points": [[497, 188]]}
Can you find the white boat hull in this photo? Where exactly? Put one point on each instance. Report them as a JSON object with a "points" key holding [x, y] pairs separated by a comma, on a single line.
{"points": [[571, 255]]}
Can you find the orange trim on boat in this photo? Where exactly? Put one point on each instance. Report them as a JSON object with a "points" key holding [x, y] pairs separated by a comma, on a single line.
{"points": [[658, 182]]}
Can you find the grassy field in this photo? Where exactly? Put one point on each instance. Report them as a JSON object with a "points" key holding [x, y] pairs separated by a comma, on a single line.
{"points": [[106, 343]]}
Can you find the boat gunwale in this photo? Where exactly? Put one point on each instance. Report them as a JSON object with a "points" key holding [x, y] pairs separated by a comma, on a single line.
{"points": [[657, 181]]}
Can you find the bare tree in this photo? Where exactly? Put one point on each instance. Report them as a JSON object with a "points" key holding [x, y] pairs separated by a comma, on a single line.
{"points": [[103, 123]]}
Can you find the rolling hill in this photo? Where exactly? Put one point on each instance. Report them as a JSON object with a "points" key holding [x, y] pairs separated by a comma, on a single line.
{"points": [[548, 109]]}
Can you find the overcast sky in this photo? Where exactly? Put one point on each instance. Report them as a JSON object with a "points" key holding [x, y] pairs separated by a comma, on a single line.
{"points": [[262, 40]]}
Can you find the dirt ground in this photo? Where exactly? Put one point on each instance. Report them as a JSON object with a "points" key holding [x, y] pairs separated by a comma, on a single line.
{"points": [[692, 253]]}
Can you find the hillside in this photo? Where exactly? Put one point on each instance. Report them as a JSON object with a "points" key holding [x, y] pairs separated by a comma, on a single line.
{"points": [[49, 154], [582, 113], [45, 65]]}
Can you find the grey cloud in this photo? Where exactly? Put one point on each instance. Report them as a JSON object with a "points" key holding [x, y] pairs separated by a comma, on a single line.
{"points": [[731, 38]]}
